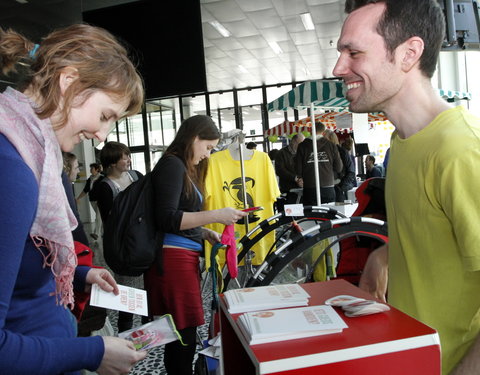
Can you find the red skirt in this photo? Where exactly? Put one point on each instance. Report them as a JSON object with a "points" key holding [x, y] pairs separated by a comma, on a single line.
{"points": [[177, 291]]}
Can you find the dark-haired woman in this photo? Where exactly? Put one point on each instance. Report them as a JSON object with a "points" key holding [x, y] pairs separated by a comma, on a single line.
{"points": [[178, 180]]}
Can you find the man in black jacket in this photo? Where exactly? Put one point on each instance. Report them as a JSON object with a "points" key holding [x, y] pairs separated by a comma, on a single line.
{"points": [[285, 168], [329, 163]]}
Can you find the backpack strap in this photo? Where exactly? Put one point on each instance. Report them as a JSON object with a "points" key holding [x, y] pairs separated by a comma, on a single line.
{"points": [[113, 186], [133, 174]]}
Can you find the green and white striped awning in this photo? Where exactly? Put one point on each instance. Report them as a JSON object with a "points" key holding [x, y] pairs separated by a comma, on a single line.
{"points": [[322, 93], [331, 94], [450, 95]]}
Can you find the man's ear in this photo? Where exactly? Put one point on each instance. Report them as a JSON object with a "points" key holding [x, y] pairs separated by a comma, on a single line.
{"points": [[67, 76], [411, 52]]}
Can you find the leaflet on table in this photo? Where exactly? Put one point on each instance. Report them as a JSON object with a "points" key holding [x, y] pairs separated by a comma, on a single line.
{"points": [[129, 299], [286, 324], [158, 332], [266, 297]]}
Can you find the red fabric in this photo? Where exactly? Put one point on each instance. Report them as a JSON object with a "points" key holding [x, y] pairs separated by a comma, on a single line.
{"points": [[85, 258], [177, 290], [228, 238]]}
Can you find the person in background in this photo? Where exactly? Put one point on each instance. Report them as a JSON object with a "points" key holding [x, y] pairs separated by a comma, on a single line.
{"points": [[329, 162], [89, 317], [385, 161], [69, 175], [78, 82], [272, 154], [95, 175], [285, 168], [347, 144], [345, 180], [251, 146], [115, 158], [372, 169], [174, 286], [388, 55]]}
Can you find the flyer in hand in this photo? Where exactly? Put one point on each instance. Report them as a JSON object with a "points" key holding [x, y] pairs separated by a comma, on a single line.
{"points": [[161, 331], [129, 299]]}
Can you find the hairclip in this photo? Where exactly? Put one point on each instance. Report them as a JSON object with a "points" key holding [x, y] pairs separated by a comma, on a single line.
{"points": [[33, 51]]}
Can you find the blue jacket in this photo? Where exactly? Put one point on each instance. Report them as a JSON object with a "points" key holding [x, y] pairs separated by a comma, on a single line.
{"points": [[37, 336]]}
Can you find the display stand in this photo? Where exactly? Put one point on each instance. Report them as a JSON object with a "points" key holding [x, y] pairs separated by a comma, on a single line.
{"points": [[237, 140], [390, 343]]}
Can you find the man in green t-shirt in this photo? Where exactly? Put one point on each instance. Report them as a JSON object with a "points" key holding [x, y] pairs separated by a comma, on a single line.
{"points": [[388, 54]]}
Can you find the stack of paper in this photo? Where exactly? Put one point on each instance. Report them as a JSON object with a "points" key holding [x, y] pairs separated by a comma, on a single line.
{"points": [[266, 297], [286, 324]]}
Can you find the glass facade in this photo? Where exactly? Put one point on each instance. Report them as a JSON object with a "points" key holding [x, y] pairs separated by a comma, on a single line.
{"points": [[148, 134]]}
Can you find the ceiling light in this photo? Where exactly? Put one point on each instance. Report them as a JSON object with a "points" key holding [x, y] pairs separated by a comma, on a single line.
{"points": [[242, 69], [22, 1], [307, 21], [220, 28], [276, 48]]}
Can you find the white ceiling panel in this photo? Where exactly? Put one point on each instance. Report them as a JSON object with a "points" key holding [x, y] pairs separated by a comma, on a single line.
{"points": [[326, 13], [287, 46], [253, 42], [331, 29], [240, 55], [227, 44], [293, 24], [213, 53], [322, 2], [276, 34], [304, 37], [289, 7], [241, 28], [265, 19], [263, 53], [210, 33], [254, 5], [225, 11], [309, 49], [306, 55]]}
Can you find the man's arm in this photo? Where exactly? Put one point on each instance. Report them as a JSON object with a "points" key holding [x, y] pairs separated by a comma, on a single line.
{"points": [[374, 278]]}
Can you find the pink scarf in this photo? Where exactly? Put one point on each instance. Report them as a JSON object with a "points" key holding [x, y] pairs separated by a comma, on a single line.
{"points": [[228, 239], [36, 143]]}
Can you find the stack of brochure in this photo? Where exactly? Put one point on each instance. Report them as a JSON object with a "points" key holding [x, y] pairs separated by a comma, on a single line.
{"points": [[265, 298], [287, 324]]}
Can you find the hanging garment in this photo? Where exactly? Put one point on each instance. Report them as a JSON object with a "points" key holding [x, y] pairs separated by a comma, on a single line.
{"points": [[223, 188]]}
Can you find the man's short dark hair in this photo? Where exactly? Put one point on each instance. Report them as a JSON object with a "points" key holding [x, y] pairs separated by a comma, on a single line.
{"points": [[319, 127], [404, 19], [96, 166], [371, 157]]}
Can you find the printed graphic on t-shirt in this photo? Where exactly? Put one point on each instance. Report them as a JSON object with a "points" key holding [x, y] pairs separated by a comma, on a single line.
{"points": [[235, 189], [322, 157]]}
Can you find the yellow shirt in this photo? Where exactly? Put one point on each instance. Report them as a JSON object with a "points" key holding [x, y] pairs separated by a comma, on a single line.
{"points": [[223, 188], [433, 210]]}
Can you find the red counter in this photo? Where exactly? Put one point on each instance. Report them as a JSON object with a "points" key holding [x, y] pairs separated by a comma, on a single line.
{"points": [[390, 343]]}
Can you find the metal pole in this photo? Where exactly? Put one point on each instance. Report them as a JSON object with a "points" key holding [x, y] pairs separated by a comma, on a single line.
{"points": [[315, 154]]}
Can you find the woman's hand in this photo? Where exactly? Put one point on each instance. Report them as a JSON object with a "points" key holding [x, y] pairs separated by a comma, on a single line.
{"points": [[211, 236], [229, 215], [103, 278], [119, 357]]}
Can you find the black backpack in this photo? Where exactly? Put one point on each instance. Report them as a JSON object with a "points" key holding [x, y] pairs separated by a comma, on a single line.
{"points": [[130, 238]]}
